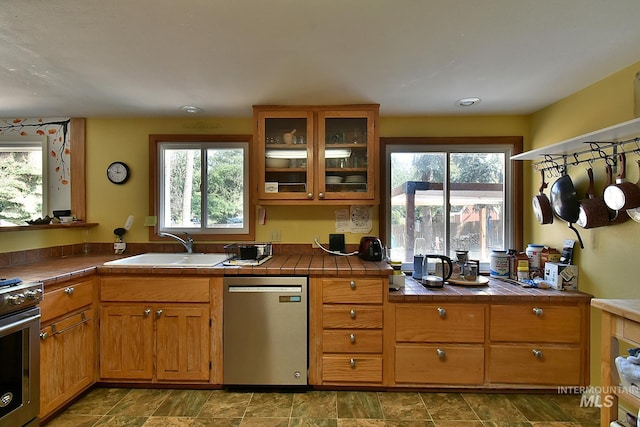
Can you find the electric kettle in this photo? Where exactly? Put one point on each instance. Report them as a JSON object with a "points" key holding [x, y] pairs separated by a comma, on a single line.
{"points": [[436, 269]]}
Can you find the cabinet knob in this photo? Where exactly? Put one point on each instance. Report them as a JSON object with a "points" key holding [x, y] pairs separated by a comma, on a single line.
{"points": [[352, 313], [538, 311], [352, 338], [158, 313], [309, 195], [352, 284], [441, 353], [69, 291], [147, 312], [352, 362], [442, 312], [43, 336], [537, 353], [321, 195]]}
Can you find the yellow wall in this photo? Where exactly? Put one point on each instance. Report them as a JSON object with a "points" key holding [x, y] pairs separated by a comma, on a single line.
{"points": [[607, 263]]}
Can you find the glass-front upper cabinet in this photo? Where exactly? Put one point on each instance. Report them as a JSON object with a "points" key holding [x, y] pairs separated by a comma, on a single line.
{"points": [[313, 154]]}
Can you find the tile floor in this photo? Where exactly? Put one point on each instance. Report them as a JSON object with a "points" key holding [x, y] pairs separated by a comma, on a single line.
{"points": [[205, 408]]}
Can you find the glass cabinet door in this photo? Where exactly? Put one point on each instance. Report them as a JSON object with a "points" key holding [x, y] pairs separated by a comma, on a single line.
{"points": [[345, 148], [285, 138]]}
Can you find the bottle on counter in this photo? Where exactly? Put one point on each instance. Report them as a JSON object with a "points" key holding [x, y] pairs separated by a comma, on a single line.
{"points": [[499, 264], [523, 273]]}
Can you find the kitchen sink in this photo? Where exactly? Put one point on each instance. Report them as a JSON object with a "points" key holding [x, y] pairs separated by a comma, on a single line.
{"points": [[170, 260]]}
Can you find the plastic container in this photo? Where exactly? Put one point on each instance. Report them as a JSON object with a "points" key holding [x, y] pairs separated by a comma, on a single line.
{"points": [[523, 273], [534, 252], [499, 264]]}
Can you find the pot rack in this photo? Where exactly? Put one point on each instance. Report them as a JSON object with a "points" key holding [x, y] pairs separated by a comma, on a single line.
{"points": [[605, 144]]}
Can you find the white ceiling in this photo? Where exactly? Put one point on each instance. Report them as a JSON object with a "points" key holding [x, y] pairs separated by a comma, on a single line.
{"points": [[116, 58]]}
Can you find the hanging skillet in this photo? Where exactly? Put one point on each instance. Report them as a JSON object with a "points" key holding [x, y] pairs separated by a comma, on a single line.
{"points": [[542, 205], [564, 202]]}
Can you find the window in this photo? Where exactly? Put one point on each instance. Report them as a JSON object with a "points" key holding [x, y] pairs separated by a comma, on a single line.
{"points": [[448, 194], [23, 194], [202, 186]]}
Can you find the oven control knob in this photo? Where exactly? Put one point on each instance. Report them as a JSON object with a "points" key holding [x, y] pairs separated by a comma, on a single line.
{"points": [[16, 299], [33, 295]]}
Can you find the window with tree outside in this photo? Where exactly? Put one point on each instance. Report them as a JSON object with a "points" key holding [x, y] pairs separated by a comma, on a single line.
{"points": [[203, 187], [444, 198]]}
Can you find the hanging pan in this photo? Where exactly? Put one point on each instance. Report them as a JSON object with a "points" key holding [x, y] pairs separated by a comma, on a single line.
{"points": [[615, 217], [593, 210], [542, 205], [564, 202], [622, 195], [634, 213]]}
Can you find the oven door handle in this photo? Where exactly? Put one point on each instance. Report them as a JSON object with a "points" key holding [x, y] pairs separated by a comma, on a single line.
{"points": [[17, 325]]}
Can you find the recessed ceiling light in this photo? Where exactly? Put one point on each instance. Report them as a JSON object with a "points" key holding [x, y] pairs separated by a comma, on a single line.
{"points": [[189, 109], [467, 102]]}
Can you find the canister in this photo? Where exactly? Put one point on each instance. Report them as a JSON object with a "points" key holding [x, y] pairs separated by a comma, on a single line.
{"points": [[499, 264], [534, 252]]}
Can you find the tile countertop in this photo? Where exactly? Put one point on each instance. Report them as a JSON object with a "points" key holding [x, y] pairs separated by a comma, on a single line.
{"points": [[60, 270]]}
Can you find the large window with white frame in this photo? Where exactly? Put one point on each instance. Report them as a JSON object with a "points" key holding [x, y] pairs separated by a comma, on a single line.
{"points": [[202, 186], [448, 194]]}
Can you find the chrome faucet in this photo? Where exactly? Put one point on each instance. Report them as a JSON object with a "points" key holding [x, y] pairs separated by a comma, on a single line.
{"points": [[187, 243]]}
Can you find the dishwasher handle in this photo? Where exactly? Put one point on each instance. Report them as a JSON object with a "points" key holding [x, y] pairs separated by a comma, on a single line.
{"points": [[264, 289]]}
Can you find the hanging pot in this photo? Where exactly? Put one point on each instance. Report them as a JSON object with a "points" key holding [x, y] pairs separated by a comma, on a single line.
{"points": [[615, 217], [542, 205], [564, 202], [634, 213], [593, 211], [622, 195]]}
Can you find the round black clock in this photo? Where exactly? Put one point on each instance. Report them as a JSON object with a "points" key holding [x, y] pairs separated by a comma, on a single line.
{"points": [[118, 172]]}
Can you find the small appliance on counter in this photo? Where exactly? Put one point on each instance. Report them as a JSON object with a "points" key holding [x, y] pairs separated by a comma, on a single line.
{"points": [[248, 253], [370, 249], [436, 270]]}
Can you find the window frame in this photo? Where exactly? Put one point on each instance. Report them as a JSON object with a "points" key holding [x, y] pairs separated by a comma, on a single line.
{"points": [[155, 142], [458, 144]]}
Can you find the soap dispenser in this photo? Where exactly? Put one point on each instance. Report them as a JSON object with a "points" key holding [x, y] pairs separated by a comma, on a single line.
{"points": [[119, 245]]}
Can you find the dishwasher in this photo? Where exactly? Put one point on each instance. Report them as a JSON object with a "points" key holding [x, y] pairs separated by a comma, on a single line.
{"points": [[265, 330]]}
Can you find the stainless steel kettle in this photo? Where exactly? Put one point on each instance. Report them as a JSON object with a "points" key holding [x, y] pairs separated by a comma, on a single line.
{"points": [[436, 270]]}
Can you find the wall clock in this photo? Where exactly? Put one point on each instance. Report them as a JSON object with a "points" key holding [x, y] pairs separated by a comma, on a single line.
{"points": [[118, 172]]}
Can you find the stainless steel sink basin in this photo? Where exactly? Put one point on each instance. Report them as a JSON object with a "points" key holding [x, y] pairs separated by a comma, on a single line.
{"points": [[170, 260]]}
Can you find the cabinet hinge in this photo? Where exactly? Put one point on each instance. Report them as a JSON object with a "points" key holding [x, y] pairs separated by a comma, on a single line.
{"points": [[210, 322], [210, 365]]}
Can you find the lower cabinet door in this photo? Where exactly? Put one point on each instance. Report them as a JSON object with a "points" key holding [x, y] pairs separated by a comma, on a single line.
{"points": [[352, 368], [439, 364], [66, 360], [532, 364]]}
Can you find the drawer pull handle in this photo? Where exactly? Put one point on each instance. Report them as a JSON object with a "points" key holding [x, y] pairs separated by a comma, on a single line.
{"points": [[43, 336], [441, 353], [538, 311], [352, 363], [352, 313], [158, 313], [442, 312], [69, 291], [352, 284], [352, 337], [537, 353], [147, 312]]}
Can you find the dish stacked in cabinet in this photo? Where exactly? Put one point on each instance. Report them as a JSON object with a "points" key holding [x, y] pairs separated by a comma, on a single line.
{"points": [[352, 321]]}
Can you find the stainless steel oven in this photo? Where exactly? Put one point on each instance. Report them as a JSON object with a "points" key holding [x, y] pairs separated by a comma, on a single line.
{"points": [[19, 353]]}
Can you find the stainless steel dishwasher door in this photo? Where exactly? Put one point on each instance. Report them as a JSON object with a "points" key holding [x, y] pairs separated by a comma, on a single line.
{"points": [[265, 330]]}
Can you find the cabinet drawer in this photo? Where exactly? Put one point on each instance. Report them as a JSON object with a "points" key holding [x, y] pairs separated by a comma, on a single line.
{"points": [[445, 364], [535, 323], [354, 368], [554, 365], [61, 301], [352, 341], [154, 289], [351, 316], [460, 323], [352, 291]]}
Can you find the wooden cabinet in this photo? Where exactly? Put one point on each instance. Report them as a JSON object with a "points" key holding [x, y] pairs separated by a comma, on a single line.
{"points": [[537, 343], [439, 344], [317, 154], [155, 329], [347, 340], [67, 345]]}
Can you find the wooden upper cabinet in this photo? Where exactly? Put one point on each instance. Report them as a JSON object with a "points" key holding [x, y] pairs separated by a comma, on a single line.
{"points": [[317, 154]]}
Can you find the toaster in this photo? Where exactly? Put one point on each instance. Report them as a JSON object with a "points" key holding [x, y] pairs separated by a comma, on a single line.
{"points": [[370, 249]]}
